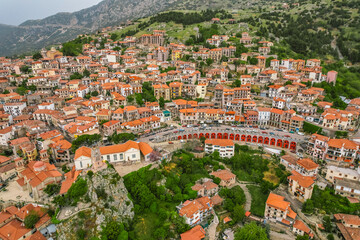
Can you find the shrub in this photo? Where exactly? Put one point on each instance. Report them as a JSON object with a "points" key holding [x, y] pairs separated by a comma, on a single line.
{"points": [[31, 219]]}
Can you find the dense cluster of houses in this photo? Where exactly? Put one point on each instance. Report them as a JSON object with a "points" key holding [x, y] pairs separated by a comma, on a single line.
{"points": [[47, 103]]}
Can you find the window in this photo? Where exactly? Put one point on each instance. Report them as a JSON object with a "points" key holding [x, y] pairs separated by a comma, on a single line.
{"points": [[134, 156], [121, 156], [115, 157], [108, 157]]}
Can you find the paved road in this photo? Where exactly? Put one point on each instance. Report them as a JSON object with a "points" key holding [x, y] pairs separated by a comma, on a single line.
{"points": [[212, 228]]}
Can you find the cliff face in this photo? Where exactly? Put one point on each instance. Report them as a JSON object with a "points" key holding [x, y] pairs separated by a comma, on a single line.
{"points": [[35, 34], [61, 27], [106, 200]]}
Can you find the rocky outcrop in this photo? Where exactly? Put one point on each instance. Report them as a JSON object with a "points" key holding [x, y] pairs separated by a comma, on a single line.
{"points": [[106, 200]]}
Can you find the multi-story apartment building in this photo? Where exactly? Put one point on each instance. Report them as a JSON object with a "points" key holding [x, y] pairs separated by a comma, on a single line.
{"points": [[175, 89], [341, 151], [162, 90], [300, 186], [317, 145], [334, 173], [225, 147], [279, 210], [347, 188], [307, 167], [195, 211], [15, 108]]}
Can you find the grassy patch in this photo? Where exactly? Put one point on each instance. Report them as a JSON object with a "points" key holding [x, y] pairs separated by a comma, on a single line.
{"points": [[271, 176], [258, 199], [145, 226]]}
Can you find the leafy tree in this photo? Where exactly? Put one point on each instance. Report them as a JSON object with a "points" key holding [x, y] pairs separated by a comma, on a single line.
{"points": [[113, 230], [86, 73], [121, 137], [327, 223], [76, 75], [94, 93], [139, 99], [31, 219], [114, 36], [25, 69], [130, 98], [238, 214], [21, 90], [209, 61], [85, 140], [32, 88], [252, 61], [37, 56], [52, 189], [330, 237], [161, 102], [251, 231], [308, 206], [6, 91]]}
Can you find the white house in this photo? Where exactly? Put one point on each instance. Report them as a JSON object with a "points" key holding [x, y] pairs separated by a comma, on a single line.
{"points": [[83, 158], [129, 152], [46, 105], [5, 135], [264, 116], [225, 147], [15, 109]]}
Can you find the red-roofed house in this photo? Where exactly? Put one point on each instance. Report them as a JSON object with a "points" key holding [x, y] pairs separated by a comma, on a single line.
{"points": [[227, 178], [196, 210], [300, 228], [196, 233], [277, 209], [301, 186]]}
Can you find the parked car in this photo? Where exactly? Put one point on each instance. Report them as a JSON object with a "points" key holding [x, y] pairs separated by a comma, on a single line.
{"points": [[171, 143]]}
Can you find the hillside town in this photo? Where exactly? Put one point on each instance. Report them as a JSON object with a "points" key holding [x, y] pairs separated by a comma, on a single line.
{"points": [[134, 102]]}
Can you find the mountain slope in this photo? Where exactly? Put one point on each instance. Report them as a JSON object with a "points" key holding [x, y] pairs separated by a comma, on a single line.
{"points": [[35, 34]]}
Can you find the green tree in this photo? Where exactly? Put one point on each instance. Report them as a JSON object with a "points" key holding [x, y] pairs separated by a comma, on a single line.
{"points": [[251, 231], [6, 91], [130, 98], [21, 90], [52, 189], [76, 75], [209, 61], [327, 223], [31, 219], [330, 237], [37, 56], [112, 230], [238, 214], [25, 69], [114, 36], [308, 206], [161, 102], [86, 73], [139, 99], [94, 93]]}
